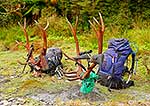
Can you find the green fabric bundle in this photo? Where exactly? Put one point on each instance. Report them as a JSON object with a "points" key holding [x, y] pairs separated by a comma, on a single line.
{"points": [[88, 83]]}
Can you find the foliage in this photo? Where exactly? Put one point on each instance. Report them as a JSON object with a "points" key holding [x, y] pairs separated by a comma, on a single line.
{"points": [[15, 10], [115, 12]]}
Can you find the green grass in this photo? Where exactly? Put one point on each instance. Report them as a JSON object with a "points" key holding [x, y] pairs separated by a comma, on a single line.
{"points": [[22, 86], [59, 35]]}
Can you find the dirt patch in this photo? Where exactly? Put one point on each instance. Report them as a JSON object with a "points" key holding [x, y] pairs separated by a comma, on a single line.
{"points": [[67, 95], [3, 80], [140, 95]]}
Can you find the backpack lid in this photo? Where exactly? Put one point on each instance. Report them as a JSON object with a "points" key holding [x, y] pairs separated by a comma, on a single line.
{"points": [[119, 44]]}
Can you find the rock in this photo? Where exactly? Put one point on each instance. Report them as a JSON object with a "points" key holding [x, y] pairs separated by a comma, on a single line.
{"points": [[4, 103], [121, 104], [11, 100], [85, 104], [131, 102]]}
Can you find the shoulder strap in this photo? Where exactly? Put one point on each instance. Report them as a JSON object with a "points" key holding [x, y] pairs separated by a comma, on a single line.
{"points": [[133, 62], [101, 61], [133, 54]]}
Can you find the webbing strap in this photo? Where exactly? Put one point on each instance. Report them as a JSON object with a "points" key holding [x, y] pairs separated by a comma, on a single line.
{"points": [[133, 62], [132, 67]]}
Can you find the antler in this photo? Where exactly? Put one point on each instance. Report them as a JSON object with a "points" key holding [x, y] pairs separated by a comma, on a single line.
{"points": [[78, 71], [28, 47], [25, 33], [44, 36], [42, 61], [41, 64], [74, 30], [27, 40], [99, 34]]}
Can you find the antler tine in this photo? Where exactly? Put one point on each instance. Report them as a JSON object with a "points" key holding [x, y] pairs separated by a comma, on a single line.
{"points": [[24, 23], [71, 27], [100, 33], [97, 22], [77, 19], [73, 30], [42, 62], [46, 25], [94, 28], [102, 22]]}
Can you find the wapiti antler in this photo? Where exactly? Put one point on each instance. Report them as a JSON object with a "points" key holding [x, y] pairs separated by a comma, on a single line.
{"points": [[75, 74], [99, 34], [27, 46], [41, 63]]}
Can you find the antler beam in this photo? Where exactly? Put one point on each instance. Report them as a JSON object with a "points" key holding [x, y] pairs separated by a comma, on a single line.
{"points": [[99, 32], [26, 34], [74, 30], [42, 62]]}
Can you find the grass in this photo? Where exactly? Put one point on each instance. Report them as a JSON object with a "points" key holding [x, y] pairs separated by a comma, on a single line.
{"points": [[63, 39], [22, 86]]}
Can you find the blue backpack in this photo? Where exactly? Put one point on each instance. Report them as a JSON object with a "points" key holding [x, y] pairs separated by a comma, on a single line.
{"points": [[112, 65]]}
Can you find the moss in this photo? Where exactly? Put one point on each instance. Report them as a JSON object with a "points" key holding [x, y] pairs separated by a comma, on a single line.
{"points": [[32, 102], [30, 84]]}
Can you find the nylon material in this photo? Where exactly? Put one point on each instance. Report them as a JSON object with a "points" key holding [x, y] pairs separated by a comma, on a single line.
{"points": [[119, 68], [53, 58], [107, 63], [118, 45], [119, 50], [88, 83], [118, 41]]}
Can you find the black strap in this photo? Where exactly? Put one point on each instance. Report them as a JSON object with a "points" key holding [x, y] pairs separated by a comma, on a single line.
{"points": [[133, 62], [80, 65]]}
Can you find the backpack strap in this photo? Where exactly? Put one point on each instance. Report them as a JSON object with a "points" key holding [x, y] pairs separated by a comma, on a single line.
{"points": [[133, 53], [131, 70], [133, 62]]}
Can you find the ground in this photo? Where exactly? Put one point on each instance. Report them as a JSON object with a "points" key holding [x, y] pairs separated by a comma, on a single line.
{"points": [[26, 90]]}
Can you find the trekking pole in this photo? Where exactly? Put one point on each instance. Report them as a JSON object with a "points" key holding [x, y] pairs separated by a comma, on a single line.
{"points": [[29, 55]]}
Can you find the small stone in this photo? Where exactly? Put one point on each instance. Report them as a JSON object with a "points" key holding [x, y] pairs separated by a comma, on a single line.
{"points": [[1, 103], [121, 104], [131, 102], [20, 99], [12, 77], [85, 104], [4, 102], [11, 100]]}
